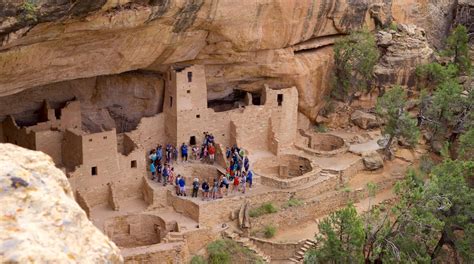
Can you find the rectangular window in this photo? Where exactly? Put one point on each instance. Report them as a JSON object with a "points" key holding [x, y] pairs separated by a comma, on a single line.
{"points": [[105, 137], [133, 164], [192, 140], [90, 139], [198, 116], [190, 76], [188, 91], [94, 171], [171, 101], [280, 99]]}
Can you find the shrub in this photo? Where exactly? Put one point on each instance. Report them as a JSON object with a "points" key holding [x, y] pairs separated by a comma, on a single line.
{"points": [[218, 253], [293, 202], [29, 9], [198, 260], [426, 164], [266, 208], [393, 26], [226, 251], [320, 128], [269, 231]]}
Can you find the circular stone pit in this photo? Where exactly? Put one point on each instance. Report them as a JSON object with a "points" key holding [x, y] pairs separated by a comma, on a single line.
{"points": [[129, 231], [284, 166], [323, 144]]}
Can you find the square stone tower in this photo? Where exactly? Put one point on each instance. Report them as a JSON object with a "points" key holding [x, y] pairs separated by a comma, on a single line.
{"points": [[185, 104]]}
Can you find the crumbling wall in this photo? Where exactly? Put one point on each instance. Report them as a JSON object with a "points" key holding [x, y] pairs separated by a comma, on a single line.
{"points": [[186, 207], [50, 142], [16, 135], [278, 250], [150, 132]]}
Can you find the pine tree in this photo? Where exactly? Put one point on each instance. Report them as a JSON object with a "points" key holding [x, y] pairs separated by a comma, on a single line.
{"points": [[458, 47], [398, 123], [355, 57], [340, 238]]}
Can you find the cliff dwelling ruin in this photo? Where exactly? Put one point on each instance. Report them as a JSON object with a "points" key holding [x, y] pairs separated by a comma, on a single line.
{"points": [[179, 128], [108, 167]]}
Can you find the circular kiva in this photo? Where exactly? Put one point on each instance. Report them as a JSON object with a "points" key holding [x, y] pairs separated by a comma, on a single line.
{"points": [[323, 144], [130, 231]]}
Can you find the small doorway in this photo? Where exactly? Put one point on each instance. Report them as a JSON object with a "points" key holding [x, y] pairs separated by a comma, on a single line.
{"points": [[280, 99], [192, 140]]}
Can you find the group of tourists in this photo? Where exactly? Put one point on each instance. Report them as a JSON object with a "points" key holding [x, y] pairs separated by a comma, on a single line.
{"points": [[237, 176]]}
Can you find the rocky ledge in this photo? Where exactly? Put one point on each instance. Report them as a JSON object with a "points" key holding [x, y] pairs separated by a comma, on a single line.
{"points": [[40, 222]]}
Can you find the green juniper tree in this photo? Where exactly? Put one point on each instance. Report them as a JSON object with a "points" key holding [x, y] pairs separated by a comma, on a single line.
{"points": [[398, 123], [466, 145], [446, 113], [457, 46], [453, 199], [354, 57], [340, 238], [432, 74]]}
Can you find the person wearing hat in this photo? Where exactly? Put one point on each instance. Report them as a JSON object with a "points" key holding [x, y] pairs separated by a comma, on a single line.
{"points": [[195, 187]]}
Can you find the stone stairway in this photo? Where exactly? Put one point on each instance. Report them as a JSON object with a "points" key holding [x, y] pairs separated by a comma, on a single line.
{"points": [[172, 237], [328, 172], [246, 242], [299, 255]]}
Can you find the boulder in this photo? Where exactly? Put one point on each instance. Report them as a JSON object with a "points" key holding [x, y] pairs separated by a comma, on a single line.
{"points": [[40, 220], [405, 155], [364, 120], [372, 160]]}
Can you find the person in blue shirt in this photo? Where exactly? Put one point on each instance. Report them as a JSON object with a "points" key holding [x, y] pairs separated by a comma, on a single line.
{"points": [[159, 152], [166, 173], [246, 163], [250, 178], [182, 186], [184, 152], [153, 171]]}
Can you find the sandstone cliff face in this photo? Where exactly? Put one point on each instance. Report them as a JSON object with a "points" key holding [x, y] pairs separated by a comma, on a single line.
{"points": [[403, 50], [39, 220], [243, 44]]}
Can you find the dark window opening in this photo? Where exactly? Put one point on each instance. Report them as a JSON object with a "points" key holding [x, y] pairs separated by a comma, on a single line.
{"points": [[94, 171], [190, 76], [171, 101], [188, 91], [192, 140], [133, 164], [256, 99], [57, 113], [198, 116], [280, 99], [90, 139], [105, 137]]}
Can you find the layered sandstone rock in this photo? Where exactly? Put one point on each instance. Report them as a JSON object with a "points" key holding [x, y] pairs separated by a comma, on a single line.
{"points": [[39, 220], [243, 45], [403, 50]]}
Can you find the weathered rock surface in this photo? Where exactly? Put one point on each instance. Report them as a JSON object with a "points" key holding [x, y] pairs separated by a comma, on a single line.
{"points": [[364, 120], [372, 160], [403, 50], [279, 42], [107, 101], [39, 220]]}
